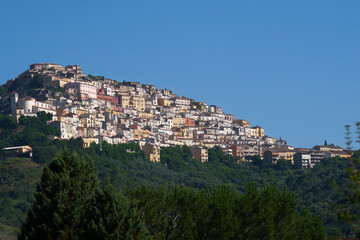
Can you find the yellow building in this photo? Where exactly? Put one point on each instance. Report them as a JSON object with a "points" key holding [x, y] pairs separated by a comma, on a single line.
{"points": [[164, 102], [144, 133], [182, 132], [200, 153], [259, 131], [56, 81], [188, 133], [273, 155], [89, 140], [124, 101], [145, 115], [81, 111], [242, 122], [94, 82], [63, 82], [178, 121], [344, 155], [87, 120], [197, 105], [152, 151], [137, 103], [100, 116], [19, 149], [116, 113]]}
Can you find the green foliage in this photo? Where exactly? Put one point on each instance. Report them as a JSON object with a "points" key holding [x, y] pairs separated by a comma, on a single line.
{"points": [[36, 82], [356, 154], [39, 123], [7, 122], [349, 210], [59, 89], [125, 152], [18, 177], [256, 160], [113, 216], [3, 91], [283, 165], [31, 92], [69, 205], [126, 165], [277, 211], [178, 158], [96, 77], [61, 199], [15, 85], [348, 137], [43, 154], [218, 213]]}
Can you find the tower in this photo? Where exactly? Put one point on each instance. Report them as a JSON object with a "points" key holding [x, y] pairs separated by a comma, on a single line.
{"points": [[14, 99]]}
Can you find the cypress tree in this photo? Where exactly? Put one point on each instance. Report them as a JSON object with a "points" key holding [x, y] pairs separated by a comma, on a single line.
{"points": [[61, 199]]}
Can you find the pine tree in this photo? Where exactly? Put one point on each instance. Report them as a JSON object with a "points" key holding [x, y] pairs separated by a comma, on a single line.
{"points": [[113, 216], [348, 137], [61, 199]]}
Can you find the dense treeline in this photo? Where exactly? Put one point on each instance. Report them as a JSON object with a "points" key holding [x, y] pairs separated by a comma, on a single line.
{"points": [[125, 165], [31, 131], [69, 205]]}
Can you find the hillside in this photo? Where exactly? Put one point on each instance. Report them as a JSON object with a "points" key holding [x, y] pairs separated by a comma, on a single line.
{"points": [[140, 135], [98, 109], [18, 178], [127, 165]]}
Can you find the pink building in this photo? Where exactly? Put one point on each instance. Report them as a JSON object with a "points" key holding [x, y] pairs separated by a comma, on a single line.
{"points": [[84, 90]]}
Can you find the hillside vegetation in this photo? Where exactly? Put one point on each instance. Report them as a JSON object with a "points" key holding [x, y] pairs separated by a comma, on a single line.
{"points": [[126, 165]]}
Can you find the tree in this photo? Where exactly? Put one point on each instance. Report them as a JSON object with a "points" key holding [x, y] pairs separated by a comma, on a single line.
{"points": [[61, 199], [256, 160], [348, 137], [15, 85], [3, 91], [218, 213], [7, 122], [283, 164], [357, 131], [269, 213], [350, 211], [37, 81], [40, 123], [113, 216]]}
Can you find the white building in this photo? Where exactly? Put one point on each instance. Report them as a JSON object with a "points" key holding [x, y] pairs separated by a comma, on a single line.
{"points": [[302, 160], [28, 106]]}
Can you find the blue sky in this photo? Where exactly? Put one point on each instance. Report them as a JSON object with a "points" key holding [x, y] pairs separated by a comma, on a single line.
{"points": [[291, 67]]}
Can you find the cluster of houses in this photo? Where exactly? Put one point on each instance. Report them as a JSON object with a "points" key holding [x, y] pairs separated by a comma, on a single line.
{"points": [[100, 109]]}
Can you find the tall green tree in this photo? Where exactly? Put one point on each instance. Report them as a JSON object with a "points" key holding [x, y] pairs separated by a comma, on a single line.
{"points": [[350, 210], [112, 216], [218, 213], [268, 213], [61, 199]]}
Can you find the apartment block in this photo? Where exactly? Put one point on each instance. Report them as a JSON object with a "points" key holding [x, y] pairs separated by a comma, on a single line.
{"points": [[200, 153], [152, 151]]}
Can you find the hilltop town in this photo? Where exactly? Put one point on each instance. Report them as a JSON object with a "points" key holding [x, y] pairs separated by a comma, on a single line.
{"points": [[99, 109]]}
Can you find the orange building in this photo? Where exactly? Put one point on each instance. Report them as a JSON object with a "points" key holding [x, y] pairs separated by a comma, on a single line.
{"points": [[237, 151], [190, 122]]}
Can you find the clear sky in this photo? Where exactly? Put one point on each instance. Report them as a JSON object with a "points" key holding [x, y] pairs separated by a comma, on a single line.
{"points": [[291, 67]]}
